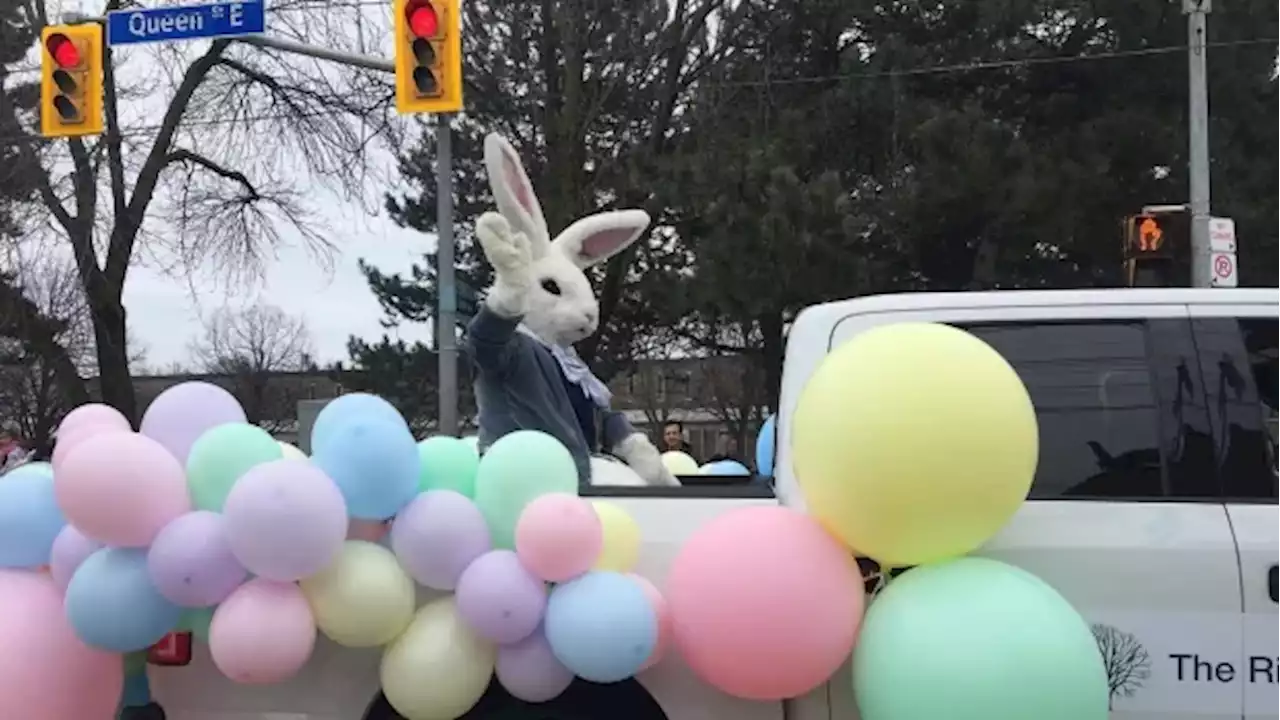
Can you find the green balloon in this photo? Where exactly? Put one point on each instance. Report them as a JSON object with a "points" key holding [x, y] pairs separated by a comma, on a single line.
{"points": [[135, 663], [447, 463], [196, 621], [220, 456], [517, 468], [976, 639]]}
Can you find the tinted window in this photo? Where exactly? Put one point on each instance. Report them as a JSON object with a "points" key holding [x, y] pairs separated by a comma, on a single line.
{"points": [[1092, 387]]}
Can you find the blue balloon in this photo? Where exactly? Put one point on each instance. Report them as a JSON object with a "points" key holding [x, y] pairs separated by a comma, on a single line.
{"points": [[601, 626], [765, 446], [112, 604], [348, 407], [726, 467], [374, 462], [29, 517]]}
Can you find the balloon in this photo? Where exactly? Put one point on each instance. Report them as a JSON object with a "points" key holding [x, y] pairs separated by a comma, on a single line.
{"points": [[263, 633], [663, 615], [196, 621], [472, 442], [291, 452], [184, 412], [730, 468], [621, 547], [220, 456], [601, 626], [112, 604], [348, 407], [438, 668], [764, 446], [499, 598], [678, 463], [191, 562], [285, 520], [373, 461], [70, 549], [29, 518], [367, 530], [46, 672], [956, 639], [901, 461], [437, 536], [558, 537], [95, 415], [517, 468], [447, 463], [364, 598], [120, 489], [764, 603], [530, 671], [608, 471]]}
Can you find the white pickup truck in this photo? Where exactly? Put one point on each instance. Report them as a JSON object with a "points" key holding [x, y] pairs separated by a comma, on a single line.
{"points": [[1154, 510]]}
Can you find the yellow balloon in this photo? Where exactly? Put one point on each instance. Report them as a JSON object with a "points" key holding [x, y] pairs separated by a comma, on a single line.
{"points": [[364, 598], [621, 547], [438, 668], [291, 452], [678, 463], [914, 442]]}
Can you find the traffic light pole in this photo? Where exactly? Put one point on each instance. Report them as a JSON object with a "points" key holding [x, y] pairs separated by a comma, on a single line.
{"points": [[446, 284], [1198, 130]]}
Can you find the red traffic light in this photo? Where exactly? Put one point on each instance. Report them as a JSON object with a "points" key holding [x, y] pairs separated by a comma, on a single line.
{"points": [[64, 52], [422, 18]]}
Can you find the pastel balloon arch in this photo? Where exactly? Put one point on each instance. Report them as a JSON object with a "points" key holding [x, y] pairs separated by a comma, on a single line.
{"points": [[489, 577]]}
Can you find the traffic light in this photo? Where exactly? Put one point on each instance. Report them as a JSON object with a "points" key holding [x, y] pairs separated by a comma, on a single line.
{"points": [[71, 81], [428, 56]]}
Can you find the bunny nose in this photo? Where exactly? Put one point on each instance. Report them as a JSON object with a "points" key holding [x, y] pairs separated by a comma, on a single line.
{"points": [[592, 316]]}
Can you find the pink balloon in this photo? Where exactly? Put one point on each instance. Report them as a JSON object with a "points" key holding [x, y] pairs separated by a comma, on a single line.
{"points": [[558, 537], [367, 530], [68, 441], [46, 673], [765, 604], [121, 489], [262, 633], [662, 613], [93, 414]]}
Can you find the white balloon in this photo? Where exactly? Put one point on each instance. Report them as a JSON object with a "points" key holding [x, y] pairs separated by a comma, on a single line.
{"points": [[607, 472], [291, 452]]}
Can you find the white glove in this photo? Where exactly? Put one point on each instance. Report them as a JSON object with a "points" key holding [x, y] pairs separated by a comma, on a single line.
{"points": [[642, 457], [512, 259]]}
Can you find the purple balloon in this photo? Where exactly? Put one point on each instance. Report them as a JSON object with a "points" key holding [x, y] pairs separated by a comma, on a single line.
{"points": [[191, 562], [70, 548], [185, 411], [437, 535], [530, 671], [285, 520], [499, 599]]}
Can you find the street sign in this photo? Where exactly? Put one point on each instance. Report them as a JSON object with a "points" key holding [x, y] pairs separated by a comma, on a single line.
{"points": [[186, 22], [1225, 270], [1222, 235]]}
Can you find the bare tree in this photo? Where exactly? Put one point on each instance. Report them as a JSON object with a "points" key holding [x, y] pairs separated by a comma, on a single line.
{"points": [[246, 141], [252, 349], [1126, 660]]}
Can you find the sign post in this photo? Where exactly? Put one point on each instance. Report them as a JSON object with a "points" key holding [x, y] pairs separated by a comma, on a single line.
{"points": [[1223, 266], [186, 22]]}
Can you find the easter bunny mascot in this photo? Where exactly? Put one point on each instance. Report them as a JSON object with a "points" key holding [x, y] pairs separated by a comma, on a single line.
{"points": [[521, 340]]}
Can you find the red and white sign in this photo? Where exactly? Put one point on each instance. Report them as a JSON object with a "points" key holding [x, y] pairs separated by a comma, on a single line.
{"points": [[1222, 236], [173, 650], [1224, 269]]}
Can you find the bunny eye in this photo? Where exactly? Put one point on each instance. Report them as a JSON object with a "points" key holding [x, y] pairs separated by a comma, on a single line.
{"points": [[551, 286]]}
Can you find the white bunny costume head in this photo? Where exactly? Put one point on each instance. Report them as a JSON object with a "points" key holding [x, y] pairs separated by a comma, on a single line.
{"points": [[560, 308]]}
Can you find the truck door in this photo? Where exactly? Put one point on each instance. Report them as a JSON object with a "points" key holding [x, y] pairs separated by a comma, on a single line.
{"points": [[1238, 352], [1125, 518]]}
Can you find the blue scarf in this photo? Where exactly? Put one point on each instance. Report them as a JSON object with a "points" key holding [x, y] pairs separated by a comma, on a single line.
{"points": [[575, 370]]}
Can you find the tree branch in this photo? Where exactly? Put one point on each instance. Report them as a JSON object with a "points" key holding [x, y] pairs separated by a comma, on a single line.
{"points": [[182, 155]]}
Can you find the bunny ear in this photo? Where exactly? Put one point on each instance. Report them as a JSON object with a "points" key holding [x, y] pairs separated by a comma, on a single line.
{"points": [[597, 238], [512, 190]]}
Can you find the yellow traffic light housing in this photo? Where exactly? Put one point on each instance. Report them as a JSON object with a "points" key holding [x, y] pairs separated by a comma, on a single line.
{"points": [[71, 81], [428, 56]]}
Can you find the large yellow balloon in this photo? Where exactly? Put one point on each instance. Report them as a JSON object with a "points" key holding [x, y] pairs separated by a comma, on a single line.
{"points": [[364, 598], [621, 547], [914, 442], [678, 463], [438, 668]]}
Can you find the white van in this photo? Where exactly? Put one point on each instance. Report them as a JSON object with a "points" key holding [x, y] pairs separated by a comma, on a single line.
{"points": [[1154, 511]]}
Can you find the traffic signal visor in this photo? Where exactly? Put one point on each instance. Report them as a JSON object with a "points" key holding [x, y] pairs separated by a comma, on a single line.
{"points": [[71, 80], [428, 56]]}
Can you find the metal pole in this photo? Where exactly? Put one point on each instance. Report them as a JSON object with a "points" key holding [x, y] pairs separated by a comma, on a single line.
{"points": [[1198, 129], [446, 286], [322, 53]]}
